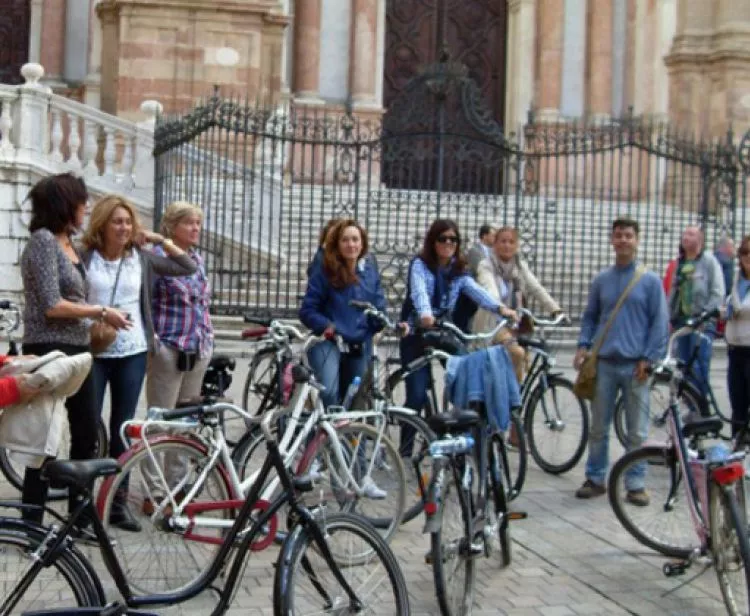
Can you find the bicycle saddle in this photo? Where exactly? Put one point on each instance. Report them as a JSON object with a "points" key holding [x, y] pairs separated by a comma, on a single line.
{"points": [[221, 362], [79, 473], [460, 419], [703, 426]]}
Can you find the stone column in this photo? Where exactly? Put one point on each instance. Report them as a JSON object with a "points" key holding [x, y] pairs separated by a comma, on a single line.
{"points": [[307, 50], [549, 79], [35, 32], [364, 31], [76, 41], [519, 95], [600, 59]]}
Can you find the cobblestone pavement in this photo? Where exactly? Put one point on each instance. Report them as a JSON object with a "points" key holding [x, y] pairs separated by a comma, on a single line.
{"points": [[569, 557]]}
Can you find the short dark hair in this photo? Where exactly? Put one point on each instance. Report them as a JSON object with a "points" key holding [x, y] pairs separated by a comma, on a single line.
{"points": [[626, 223], [54, 200], [484, 230]]}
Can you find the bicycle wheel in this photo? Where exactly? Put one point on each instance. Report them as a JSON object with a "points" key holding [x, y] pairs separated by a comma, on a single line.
{"points": [[688, 400], [497, 520], [730, 547], [452, 562], [160, 559], [68, 582], [13, 464], [260, 392], [664, 524], [515, 457], [423, 436], [375, 465], [305, 584], [557, 426]]}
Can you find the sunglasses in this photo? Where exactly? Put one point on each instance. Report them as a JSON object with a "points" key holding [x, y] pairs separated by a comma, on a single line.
{"points": [[448, 239]]}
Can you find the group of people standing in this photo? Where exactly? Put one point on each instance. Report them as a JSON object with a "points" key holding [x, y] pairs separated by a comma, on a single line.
{"points": [[151, 288]]}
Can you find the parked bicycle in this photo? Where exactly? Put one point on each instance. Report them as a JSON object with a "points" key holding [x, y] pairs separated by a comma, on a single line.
{"points": [[689, 485], [328, 563]]}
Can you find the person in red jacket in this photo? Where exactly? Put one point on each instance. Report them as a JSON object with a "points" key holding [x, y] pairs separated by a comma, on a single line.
{"points": [[13, 389]]}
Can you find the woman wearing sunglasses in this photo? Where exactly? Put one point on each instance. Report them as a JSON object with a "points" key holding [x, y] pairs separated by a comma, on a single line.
{"points": [[437, 276]]}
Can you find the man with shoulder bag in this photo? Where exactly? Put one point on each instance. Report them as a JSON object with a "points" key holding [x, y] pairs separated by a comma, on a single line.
{"points": [[624, 329]]}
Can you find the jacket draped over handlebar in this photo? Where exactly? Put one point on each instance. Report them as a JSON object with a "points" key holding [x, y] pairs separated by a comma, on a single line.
{"points": [[484, 376], [324, 305]]}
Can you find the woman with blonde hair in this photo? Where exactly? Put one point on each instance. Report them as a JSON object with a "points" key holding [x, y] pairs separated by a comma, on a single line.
{"points": [[120, 275]]}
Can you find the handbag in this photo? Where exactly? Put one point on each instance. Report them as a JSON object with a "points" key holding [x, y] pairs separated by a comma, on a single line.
{"points": [[102, 333], [585, 384]]}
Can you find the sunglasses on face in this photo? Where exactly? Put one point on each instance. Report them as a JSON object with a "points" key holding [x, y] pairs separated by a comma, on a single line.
{"points": [[447, 239]]}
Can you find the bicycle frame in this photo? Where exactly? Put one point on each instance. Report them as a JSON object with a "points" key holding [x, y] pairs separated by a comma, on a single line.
{"points": [[47, 550]]}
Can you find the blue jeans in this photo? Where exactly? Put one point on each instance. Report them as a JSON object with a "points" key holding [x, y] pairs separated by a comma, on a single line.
{"points": [[611, 378], [417, 384], [125, 377], [336, 370], [699, 373]]}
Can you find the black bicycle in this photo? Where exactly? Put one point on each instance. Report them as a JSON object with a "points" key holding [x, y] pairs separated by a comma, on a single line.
{"points": [[331, 564]]}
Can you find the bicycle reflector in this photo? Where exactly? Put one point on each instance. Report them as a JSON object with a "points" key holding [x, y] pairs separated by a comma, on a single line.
{"points": [[430, 508], [134, 430], [730, 473]]}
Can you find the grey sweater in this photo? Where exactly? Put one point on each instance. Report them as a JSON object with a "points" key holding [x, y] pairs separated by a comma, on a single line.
{"points": [[154, 265]]}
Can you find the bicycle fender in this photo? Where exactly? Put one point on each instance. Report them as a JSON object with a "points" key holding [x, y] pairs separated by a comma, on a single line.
{"points": [[433, 509]]}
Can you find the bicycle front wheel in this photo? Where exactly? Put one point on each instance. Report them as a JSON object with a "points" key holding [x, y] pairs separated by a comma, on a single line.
{"points": [[261, 391], [730, 547], [498, 520], [515, 457], [557, 425], [663, 523], [306, 584], [68, 582]]}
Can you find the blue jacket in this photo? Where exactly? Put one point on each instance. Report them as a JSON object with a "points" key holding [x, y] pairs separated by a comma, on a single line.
{"points": [[484, 376], [640, 328], [324, 305]]}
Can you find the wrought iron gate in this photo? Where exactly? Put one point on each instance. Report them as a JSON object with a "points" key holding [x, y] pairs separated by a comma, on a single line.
{"points": [[268, 179]]}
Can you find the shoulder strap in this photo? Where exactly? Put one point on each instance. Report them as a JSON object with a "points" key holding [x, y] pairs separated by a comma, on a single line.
{"points": [[639, 271], [117, 279]]}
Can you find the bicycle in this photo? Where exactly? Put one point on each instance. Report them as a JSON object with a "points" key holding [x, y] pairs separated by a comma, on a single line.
{"points": [[13, 465], [313, 571], [712, 482]]}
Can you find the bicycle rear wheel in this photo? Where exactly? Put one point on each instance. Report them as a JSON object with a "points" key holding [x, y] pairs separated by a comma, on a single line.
{"points": [[498, 518], [68, 582], [305, 584], [664, 523], [730, 547], [261, 390], [515, 457]]}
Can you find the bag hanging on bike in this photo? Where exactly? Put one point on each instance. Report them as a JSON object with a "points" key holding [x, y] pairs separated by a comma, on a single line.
{"points": [[585, 384]]}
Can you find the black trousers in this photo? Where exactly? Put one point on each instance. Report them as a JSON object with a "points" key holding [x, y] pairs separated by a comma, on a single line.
{"points": [[83, 416], [738, 382]]}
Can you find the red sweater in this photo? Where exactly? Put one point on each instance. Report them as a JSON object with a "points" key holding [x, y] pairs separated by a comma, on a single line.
{"points": [[9, 393]]}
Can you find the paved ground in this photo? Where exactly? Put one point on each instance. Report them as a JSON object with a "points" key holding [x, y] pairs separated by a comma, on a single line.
{"points": [[570, 557]]}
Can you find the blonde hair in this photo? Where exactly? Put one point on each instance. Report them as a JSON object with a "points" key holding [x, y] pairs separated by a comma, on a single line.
{"points": [[174, 213], [93, 238]]}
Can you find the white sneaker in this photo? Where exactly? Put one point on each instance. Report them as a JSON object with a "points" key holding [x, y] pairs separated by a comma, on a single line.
{"points": [[371, 490], [315, 473]]}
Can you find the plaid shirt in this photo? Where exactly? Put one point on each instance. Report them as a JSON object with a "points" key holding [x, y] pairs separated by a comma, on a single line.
{"points": [[180, 309]]}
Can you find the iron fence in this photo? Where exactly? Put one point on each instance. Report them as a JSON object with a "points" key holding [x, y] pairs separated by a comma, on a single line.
{"points": [[269, 178]]}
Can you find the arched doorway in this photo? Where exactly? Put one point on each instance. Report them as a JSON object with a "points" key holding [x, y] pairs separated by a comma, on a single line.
{"points": [[15, 18]]}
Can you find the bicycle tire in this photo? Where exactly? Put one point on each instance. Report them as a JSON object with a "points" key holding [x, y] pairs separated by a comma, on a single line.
{"points": [[515, 457], [730, 547], [671, 535], [13, 467], [575, 425], [262, 383], [689, 400], [299, 557], [465, 564], [388, 514], [500, 502], [159, 560], [70, 570]]}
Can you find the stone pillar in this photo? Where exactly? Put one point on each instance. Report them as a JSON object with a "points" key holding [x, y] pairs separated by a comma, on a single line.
{"points": [[76, 41], [307, 50], [35, 32], [92, 94], [549, 77], [600, 59], [364, 31], [519, 95]]}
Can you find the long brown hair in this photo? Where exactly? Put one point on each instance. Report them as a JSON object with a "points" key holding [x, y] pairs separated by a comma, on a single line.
{"points": [[744, 247], [429, 254], [334, 266]]}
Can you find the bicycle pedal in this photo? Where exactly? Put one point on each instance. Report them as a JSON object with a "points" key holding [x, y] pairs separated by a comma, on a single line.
{"points": [[517, 515], [675, 568]]}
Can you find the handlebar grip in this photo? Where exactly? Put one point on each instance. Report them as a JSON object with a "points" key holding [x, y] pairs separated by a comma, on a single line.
{"points": [[254, 332], [262, 321], [356, 303], [198, 409]]}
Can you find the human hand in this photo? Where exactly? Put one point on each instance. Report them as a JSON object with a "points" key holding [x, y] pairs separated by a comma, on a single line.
{"points": [[579, 358], [403, 327], [641, 371], [148, 237], [26, 391], [508, 313], [329, 332], [117, 318], [427, 320]]}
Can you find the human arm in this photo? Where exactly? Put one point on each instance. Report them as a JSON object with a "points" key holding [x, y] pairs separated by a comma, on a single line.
{"points": [[486, 279], [481, 297], [419, 278], [716, 292], [658, 319], [590, 316], [171, 265], [311, 311]]}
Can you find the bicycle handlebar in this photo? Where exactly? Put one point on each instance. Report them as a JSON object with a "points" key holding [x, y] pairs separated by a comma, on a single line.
{"points": [[464, 337], [372, 311], [691, 326], [560, 319], [198, 410]]}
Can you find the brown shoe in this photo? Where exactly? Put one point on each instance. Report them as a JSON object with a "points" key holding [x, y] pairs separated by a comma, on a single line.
{"points": [[589, 489], [148, 507], [639, 498]]}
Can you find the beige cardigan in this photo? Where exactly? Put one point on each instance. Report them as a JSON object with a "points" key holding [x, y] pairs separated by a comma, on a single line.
{"points": [[529, 286]]}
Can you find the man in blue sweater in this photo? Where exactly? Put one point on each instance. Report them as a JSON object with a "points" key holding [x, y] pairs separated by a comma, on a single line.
{"points": [[637, 337]]}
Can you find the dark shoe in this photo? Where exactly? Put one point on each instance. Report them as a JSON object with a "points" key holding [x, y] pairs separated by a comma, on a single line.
{"points": [[83, 534], [123, 518], [639, 498], [589, 489]]}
